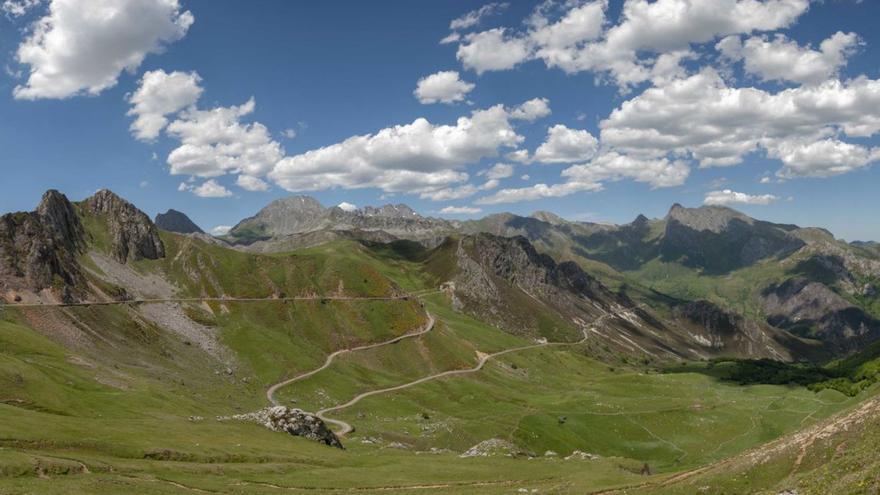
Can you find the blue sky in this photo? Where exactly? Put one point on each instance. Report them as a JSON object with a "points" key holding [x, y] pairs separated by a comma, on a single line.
{"points": [[743, 84]]}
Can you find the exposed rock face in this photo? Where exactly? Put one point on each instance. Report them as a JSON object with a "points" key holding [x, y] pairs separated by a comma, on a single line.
{"points": [[726, 329], [38, 250], [294, 421], [175, 221], [812, 308], [516, 261], [133, 235], [719, 239], [303, 214]]}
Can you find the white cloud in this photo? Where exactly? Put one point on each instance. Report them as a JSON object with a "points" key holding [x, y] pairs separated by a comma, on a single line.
{"points": [[215, 142], [537, 191], [613, 166], [728, 197], [519, 156], [765, 180], [221, 230], [492, 50], [442, 87], [81, 46], [474, 17], [144, 184], [532, 110], [451, 38], [497, 171], [822, 158], [251, 183], [18, 8], [460, 210], [450, 193], [420, 157], [289, 133], [780, 59], [161, 94], [525, 177], [210, 189], [347, 206], [590, 176], [578, 39], [701, 117], [564, 145]]}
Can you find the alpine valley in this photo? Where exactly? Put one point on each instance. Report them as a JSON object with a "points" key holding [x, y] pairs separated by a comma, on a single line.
{"points": [[317, 349]]}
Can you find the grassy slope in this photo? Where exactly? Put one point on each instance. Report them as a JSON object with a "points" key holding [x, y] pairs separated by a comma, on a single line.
{"points": [[57, 417]]}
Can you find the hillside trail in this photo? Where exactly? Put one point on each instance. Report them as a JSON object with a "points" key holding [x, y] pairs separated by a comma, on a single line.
{"points": [[212, 299], [346, 428], [270, 392]]}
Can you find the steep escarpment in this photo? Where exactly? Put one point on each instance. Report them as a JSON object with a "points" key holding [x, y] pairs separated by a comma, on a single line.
{"points": [[132, 235], [718, 239], [813, 309], [39, 249]]}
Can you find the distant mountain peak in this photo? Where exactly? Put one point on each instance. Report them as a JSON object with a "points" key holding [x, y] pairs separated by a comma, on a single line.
{"points": [[176, 221], [549, 217], [709, 217]]}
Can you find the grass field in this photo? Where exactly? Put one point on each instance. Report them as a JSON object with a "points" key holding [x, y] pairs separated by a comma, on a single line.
{"points": [[136, 414]]}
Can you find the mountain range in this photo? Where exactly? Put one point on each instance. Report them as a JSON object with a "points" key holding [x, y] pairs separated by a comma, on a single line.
{"points": [[721, 319]]}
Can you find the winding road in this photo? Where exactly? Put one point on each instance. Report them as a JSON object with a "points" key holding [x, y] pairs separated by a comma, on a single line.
{"points": [[346, 428], [270, 393]]}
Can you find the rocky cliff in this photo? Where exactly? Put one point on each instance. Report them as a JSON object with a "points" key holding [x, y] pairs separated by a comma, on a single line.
{"points": [[132, 235], [39, 249]]}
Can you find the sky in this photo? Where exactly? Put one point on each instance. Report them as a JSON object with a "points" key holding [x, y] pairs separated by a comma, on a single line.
{"points": [[596, 110]]}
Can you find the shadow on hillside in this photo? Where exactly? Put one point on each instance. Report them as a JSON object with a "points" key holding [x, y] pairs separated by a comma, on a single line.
{"points": [[745, 372]]}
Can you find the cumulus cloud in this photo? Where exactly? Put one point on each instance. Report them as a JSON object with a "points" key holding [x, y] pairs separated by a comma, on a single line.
{"points": [[537, 191], [450, 193], [215, 142], [208, 189], [532, 110], [701, 117], [344, 206], [610, 166], [161, 94], [729, 197], [492, 50], [497, 171], [613, 166], [577, 37], [474, 17], [221, 230], [289, 133], [18, 8], [251, 183], [81, 46], [420, 157], [781, 59], [460, 210], [442, 87], [564, 145]]}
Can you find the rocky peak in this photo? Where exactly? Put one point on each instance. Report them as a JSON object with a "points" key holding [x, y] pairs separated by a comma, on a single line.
{"points": [[391, 211], [39, 249], [133, 235], [175, 221], [710, 218], [58, 217], [641, 220], [551, 218]]}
